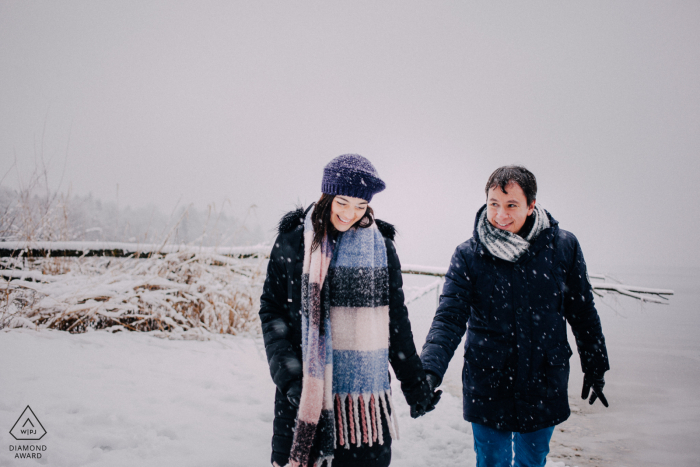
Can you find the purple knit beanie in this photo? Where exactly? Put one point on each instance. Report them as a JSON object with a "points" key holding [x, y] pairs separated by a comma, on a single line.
{"points": [[351, 175]]}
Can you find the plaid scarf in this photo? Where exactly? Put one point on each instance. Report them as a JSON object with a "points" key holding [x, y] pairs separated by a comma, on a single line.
{"points": [[345, 339], [507, 245]]}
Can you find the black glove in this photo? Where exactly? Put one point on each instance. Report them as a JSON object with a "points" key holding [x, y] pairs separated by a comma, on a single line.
{"points": [[596, 383], [294, 393], [432, 379], [432, 398], [417, 410], [433, 382], [421, 408]]}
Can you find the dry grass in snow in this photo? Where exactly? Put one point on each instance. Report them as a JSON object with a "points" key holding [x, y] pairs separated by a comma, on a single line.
{"points": [[179, 295]]}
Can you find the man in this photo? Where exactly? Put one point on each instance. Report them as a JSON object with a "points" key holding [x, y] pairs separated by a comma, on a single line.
{"points": [[516, 283]]}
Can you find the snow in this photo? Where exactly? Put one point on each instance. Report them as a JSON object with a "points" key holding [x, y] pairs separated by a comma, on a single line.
{"points": [[131, 398]]}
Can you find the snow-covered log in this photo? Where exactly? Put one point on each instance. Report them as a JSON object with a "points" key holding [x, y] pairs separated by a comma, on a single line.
{"points": [[423, 270], [119, 249]]}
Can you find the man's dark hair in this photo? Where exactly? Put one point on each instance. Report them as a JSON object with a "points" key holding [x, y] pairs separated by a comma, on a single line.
{"points": [[504, 176]]}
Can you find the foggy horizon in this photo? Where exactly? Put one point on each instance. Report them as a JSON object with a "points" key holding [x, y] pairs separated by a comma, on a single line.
{"points": [[167, 104]]}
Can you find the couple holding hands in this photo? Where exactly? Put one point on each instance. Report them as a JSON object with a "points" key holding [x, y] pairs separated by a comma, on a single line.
{"points": [[333, 320]]}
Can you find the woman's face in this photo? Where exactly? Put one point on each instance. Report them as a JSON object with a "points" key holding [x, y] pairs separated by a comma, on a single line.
{"points": [[346, 210], [508, 211]]}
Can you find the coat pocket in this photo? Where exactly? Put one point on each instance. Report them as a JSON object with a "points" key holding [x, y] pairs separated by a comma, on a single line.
{"points": [[557, 370], [486, 371]]}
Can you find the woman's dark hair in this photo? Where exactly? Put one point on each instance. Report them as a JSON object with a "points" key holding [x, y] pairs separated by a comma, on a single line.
{"points": [[321, 220], [504, 176]]}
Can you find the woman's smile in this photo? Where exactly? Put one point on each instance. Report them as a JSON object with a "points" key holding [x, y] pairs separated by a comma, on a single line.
{"points": [[344, 221]]}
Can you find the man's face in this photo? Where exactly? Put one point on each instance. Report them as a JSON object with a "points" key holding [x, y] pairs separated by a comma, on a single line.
{"points": [[508, 211]]}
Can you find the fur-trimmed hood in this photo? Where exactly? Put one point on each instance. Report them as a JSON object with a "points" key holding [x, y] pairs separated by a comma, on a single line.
{"points": [[294, 219]]}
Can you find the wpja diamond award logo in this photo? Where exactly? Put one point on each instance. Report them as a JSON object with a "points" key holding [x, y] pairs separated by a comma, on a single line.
{"points": [[28, 428]]}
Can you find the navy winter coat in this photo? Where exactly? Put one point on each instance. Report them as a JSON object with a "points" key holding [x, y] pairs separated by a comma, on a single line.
{"points": [[280, 314], [516, 357]]}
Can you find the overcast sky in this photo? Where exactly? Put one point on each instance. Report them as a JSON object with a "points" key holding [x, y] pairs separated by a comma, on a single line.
{"points": [[204, 102]]}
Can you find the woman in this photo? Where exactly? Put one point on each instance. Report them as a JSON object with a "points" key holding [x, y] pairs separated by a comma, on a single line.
{"points": [[333, 317]]}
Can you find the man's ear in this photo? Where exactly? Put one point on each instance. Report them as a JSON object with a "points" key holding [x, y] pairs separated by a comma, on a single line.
{"points": [[531, 207]]}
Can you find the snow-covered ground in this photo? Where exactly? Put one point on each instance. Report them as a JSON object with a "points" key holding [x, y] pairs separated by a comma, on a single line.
{"points": [[134, 399]]}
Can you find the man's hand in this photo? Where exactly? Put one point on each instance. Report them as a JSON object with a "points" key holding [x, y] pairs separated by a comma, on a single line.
{"points": [[594, 383], [294, 393], [432, 380], [427, 405], [417, 410], [434, 399]]}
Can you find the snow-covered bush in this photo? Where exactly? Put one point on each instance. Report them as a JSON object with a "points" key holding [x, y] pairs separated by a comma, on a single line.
{"points": [[179, 294]]}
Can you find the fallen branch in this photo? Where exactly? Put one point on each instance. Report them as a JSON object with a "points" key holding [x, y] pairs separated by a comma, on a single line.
{"points": [[645, 294]]}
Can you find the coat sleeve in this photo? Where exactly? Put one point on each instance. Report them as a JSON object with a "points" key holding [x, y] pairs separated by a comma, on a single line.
{"points": [[582, 315], [285, 365], [450, 321], [402, 349]]}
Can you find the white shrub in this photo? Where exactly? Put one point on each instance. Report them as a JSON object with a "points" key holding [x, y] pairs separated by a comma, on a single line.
{"points": [[178, 295]]}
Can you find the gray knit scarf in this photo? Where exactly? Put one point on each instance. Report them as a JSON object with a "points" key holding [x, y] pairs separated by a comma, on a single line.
{"points": [[507, 245]]}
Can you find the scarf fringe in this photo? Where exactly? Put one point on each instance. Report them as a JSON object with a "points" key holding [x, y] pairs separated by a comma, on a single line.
{"points": [[393, 418], [356, 418], [376, 422], [385, 407], [365, 412], [366, 421], [319, 463]]}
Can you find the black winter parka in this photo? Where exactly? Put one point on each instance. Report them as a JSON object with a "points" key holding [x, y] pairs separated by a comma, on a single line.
{"points": [[280, 314], [516, 356]]}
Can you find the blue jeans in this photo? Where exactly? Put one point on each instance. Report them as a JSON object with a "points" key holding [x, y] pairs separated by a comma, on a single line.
{"points": [[494, 448]]}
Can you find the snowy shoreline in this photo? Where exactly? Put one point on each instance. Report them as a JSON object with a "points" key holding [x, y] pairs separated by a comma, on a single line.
{"points": [[134, 399], [130, 398]]}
